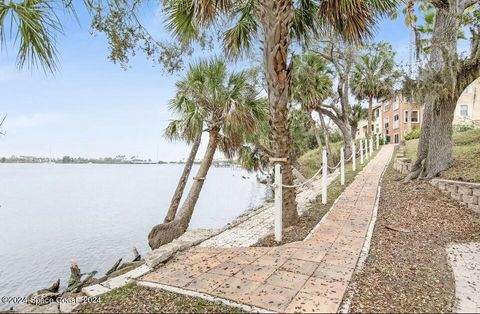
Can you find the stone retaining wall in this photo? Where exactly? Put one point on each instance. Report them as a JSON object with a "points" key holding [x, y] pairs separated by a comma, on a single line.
{"points": [[464, 192], [402, 165]]}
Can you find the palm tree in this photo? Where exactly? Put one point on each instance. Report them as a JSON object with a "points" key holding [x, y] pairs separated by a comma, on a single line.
{"points": [[374, 77], [358, 114], [311, 86], [34, 24], [188, 128], [229, 107], [280, 21]]}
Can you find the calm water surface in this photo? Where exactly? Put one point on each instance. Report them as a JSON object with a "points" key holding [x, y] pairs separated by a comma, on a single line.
{"points": [[52, 214]]}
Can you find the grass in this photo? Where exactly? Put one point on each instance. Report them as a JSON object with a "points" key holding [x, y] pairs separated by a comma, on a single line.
{"points": [[316, 210], [136, 299], [466, 153], [311, 161]]}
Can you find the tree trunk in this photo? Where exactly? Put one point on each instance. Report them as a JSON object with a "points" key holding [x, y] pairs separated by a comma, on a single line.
{"points": [[327, 140], [370, 117], [440, 152], [177, 196], [435, 151], [316, 131], [167, 232], [344, 127], [276, 17]]}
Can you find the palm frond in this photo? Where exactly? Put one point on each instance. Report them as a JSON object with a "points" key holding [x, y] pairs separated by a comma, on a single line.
{"points": [[34, 26]]}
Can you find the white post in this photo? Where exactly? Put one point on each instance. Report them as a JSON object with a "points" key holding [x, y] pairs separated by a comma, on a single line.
{"points": [[378, 141], [361, 152], [278, 203], [366, 148], [371, 146], [324, 176], [354, 157], [342, 166]]}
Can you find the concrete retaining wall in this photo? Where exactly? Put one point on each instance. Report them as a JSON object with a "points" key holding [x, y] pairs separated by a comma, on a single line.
{"points": [[464, 192]]}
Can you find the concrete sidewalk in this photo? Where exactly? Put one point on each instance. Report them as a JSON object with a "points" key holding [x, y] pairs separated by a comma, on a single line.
{"points": [[305, 276]]}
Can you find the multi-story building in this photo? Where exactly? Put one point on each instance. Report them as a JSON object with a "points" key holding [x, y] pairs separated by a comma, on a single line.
{"points": [[391, 117], [468, 105], [377, 125], [395, 119]]}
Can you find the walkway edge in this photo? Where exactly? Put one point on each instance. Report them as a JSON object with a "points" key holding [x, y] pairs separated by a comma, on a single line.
{"points": [[347, 300], [208, 297]]}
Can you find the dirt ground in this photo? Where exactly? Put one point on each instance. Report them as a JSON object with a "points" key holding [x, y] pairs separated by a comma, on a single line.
{"points": [[407, 268], [136, 299]]}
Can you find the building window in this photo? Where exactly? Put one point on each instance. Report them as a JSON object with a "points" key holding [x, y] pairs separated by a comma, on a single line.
{"points": [[415, 116], [396, 139], [387, 106], [396, 104], [377, 113], [396, 123], [464, 111]]}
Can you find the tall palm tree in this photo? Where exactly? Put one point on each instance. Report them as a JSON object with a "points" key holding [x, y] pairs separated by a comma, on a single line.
{"points": [[311, 86], [374, 77], [230, 108], [279, 21], [358, 114]]}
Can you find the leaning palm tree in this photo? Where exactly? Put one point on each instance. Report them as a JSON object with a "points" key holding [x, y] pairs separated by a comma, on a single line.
{"points": [[374, 77], [189, 129], [275, 22], [230, 108]]}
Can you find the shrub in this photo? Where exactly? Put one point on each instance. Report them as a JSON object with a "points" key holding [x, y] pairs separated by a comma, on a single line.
{"points": [[464, 127], [413, 134]]}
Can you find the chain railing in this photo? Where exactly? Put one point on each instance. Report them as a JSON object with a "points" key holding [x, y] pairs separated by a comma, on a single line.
{"points": [[365, 151]]}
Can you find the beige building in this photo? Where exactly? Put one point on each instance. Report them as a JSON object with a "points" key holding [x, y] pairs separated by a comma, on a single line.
{"points": [[377, 124], [468, 105], [391, 117]]}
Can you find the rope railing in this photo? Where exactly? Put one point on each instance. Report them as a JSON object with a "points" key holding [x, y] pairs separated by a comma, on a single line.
{"points": [[365, 150], [302, 184]]}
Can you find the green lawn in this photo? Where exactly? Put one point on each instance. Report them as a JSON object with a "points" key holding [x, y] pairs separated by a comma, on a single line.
{"points": [[466, 153]]}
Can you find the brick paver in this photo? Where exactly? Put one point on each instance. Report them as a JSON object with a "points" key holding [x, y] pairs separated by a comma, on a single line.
{"points": [[305, 276]]}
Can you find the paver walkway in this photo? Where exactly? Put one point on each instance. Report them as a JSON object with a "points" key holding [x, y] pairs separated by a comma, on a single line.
{"points": [[305, 276], [260, 223]]}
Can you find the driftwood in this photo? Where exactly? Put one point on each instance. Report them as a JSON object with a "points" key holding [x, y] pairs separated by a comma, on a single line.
{"points": [[136, 255], [75, 275], [114, 267], [82, 283], [399, 229]]}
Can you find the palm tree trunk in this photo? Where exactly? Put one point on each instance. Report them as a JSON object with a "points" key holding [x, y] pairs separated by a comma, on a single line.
{"points": [[276, 17], [167, 232], [370, 117], [177, 196], [186, 211]]}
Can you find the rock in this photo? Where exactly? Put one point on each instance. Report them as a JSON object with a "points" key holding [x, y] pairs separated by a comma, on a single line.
{"points": [[43, 297], [93, 291], [48, 308]]}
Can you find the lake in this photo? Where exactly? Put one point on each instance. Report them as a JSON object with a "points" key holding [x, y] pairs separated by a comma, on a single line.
{"points": [[53, 214]]}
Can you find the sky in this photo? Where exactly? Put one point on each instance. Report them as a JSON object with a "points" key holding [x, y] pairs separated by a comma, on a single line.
{"points": [[93, 108]]}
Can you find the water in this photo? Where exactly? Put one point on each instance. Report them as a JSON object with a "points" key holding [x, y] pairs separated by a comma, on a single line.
{"points": [[52, 214]]}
